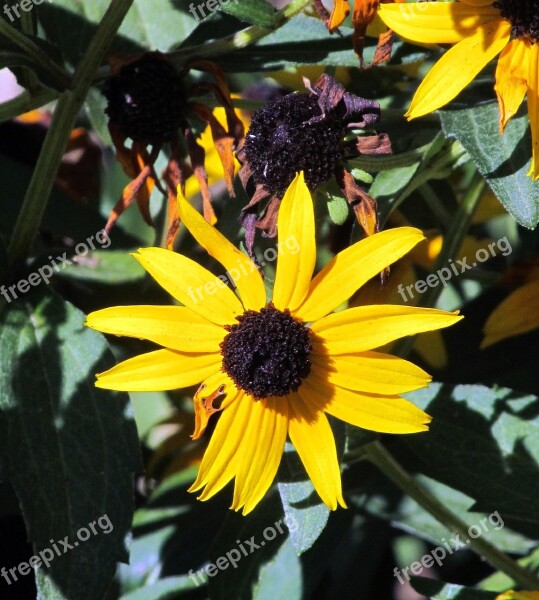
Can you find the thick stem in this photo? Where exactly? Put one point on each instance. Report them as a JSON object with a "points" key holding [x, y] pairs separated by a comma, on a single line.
{"points": [[241, 39], [66, 112], [379, 456]]}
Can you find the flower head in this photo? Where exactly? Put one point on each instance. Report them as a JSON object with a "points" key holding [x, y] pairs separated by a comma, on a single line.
{"points": [[149, 103], [306, 132], [274, 367], [480, 30]]}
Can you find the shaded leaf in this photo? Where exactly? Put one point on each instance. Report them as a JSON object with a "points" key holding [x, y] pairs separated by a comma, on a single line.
{"points": [[68, 448], [503, 160], [256, 12]]}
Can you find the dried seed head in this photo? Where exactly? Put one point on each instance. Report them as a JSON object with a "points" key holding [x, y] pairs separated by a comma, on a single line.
{"points": [[146, 100], [289, 135]]}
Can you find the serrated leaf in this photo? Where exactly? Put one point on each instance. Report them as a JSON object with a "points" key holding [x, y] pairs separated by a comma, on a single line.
{"points": [[68, 448], [503, 160], [255, 12]]}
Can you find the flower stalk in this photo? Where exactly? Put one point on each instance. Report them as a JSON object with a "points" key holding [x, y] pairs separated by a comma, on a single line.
{"points": [[379, 456], [67, 109]]}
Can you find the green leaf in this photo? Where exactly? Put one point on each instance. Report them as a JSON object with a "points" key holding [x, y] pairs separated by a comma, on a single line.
{"points": [[302, 40], [252, 553], [256, 12], [163, 589], [68, 448], [301, 503], [338, 209], [498, 425], [281, 576], [71, 24], [503, 160], [104, 266], [438, 590]]}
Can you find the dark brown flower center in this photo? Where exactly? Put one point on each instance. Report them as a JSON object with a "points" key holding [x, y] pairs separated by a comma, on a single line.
{"points": [[146, 100], [267, 352], [523, 15], [289, 135]]}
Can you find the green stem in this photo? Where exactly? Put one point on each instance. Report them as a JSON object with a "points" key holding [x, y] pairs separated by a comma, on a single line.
{"points": [[238, 40], [379, 456], [66, 112], [452, 242], [24, 103], [30, 81], [58, 75]]}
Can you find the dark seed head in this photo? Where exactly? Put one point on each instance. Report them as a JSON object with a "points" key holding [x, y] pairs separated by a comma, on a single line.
{"points": [[290, 135], [146, 100], [523, 15], [267, 352]]}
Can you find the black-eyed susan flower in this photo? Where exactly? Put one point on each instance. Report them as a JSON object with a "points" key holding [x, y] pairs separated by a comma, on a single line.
{"points": [[149, 103], [274, 366], [306, 132], [480, 30]]}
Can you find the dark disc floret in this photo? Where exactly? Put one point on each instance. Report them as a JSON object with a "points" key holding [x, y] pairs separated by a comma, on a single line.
{"points": [[146, 100], [523, 15], [267, 353], [289, 135]]}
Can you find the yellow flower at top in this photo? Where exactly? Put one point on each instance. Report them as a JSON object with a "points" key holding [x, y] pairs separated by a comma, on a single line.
{"points": [[274, 367], [480, 30]]}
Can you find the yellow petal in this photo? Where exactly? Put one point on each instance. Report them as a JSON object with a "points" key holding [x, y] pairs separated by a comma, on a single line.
{"points": [[238, 265], [382, 413], [511, 79], [351, 268], [214, 395], [191, 284], [436, 22], [533, 106], [262, 449], [371, 372], [219, 464], [174, 327], [367, 327], [458, 67], [313, 439], [431, 348], [339, 13], [516, 315], [158, 371], [295, 224]]}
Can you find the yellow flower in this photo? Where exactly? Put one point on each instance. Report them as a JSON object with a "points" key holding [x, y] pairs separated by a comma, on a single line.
{"points": [[480, 30], [274, 368], [512, 595], [519, 312]]}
